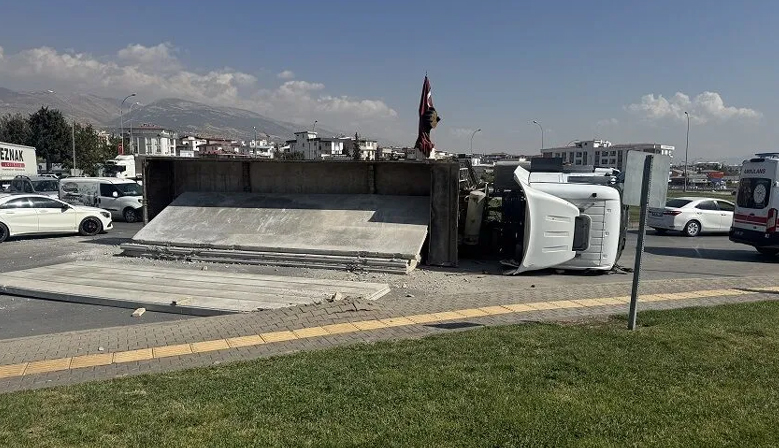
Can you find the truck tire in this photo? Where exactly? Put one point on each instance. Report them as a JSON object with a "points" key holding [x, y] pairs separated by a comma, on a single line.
{"points": [[3, 232], [90, 227], [130, 215]]}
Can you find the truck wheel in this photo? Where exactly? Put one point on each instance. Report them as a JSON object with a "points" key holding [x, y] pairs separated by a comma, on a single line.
{"points": [[692, 229], [3, 232], [130, 215], [763, 250], [90, 227]]}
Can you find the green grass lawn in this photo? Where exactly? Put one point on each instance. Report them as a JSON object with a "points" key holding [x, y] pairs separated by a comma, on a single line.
{"points": [[696, 377]]}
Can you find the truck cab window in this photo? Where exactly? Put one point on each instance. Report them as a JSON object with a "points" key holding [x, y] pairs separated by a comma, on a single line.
{"points": [[107, 190]]}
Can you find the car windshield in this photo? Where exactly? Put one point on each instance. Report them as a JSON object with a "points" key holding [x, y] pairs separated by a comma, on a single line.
{"points": [[129, 189], [677, 203], [45, 185]]}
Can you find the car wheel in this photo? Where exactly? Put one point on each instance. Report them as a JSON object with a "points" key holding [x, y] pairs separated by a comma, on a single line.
{"points": [[763, 251], [3, 232], [692, 229], [90, 227], [130, 215], [660, 231]]}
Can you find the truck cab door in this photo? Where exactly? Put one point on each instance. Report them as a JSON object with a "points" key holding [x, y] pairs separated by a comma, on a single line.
{"points": [[549, 227]]}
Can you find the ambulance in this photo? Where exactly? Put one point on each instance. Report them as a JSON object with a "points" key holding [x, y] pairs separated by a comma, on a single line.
{"points": [[757, 204]]}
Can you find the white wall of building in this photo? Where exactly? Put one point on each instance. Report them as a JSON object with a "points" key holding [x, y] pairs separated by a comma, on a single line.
{"points": [[157, 142], [603, 153]]}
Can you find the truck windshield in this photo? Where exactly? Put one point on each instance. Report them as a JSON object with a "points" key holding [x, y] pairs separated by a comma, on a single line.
{"points": [[754, 192], [45, 185], [129, 189], [112, 170]]}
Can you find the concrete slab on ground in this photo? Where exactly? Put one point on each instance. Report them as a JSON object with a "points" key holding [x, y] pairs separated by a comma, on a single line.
{"points": [[330, 230], [186, 291]]}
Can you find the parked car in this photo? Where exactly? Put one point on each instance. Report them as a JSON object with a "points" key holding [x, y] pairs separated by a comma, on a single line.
{"points": [[692, 216], [122, 197], [45, 185], [29, 214]]}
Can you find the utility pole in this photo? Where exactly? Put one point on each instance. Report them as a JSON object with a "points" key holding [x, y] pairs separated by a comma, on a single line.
{"points": [[542, 132], [72, 129], [121, 119], [686, 152], [474, 133]]}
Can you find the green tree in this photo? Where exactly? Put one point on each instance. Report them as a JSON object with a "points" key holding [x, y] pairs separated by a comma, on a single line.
{"points": [[50, 134], [91, 150], [356, 153], [15, 129]]}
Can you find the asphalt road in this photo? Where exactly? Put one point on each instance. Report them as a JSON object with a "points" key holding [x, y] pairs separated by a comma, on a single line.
{"points": [[21, 317], [670, 256]]}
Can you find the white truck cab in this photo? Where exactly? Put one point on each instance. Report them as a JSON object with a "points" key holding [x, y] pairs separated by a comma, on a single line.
{"points": [[572, 226], [757, 204]]}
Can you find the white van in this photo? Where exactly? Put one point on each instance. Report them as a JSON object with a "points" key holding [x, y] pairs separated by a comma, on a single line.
{"points": [[122, 197], [757, 202]]}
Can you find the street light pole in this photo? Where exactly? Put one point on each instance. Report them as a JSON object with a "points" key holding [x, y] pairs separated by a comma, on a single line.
{"points": [[132, 146], [686, 151], [542, 132], [121, 119], [474, 133], [254, 151], [72, 129]]}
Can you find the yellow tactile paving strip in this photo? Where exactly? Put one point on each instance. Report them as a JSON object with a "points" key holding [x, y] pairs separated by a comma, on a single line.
{"points": [[78, 362]]}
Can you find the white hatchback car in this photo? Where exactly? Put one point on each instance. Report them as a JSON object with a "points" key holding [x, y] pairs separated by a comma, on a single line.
{"points": [[29, 214], [692, 216]]}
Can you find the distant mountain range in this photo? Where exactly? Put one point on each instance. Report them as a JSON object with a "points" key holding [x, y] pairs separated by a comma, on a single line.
{"points": [[186, 117]]}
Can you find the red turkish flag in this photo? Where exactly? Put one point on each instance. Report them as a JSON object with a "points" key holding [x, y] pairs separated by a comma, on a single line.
{"points": [[424, 143]]}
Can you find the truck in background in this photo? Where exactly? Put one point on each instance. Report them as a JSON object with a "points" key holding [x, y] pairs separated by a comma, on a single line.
{"points": [[16, 160], [124, 167]]}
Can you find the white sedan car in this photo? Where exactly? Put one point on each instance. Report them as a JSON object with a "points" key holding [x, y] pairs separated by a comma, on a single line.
{"points": [[692, 216], [28, 214]]}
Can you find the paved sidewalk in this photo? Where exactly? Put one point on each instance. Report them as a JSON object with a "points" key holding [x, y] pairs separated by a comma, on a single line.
{"points": [[74, 357]]}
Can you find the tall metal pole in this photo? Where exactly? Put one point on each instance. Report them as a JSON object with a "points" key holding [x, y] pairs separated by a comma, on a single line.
{"points": [[646, 187], [72, 128], [254, 151], [542, 132], [121, 119], [686, 151], [474, 133], [132, 145]]}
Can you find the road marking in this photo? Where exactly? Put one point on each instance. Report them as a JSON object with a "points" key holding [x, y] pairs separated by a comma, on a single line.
{"points": [[119, 357]]}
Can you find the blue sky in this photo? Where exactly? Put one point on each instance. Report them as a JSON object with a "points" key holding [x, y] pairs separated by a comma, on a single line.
{"points": [[583, 69]]}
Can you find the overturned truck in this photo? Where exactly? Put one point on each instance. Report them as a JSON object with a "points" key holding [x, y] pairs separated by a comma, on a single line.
{"points": [[369, 215]]}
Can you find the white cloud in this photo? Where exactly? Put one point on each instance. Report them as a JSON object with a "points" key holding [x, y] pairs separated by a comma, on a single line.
{"points": [[705, 107], [155, 72], [159, 57], [607, 122], [286, 74]]}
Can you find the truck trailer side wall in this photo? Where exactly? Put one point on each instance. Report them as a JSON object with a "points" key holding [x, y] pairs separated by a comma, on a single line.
{"points": [[17, 160], [165, 178]]}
